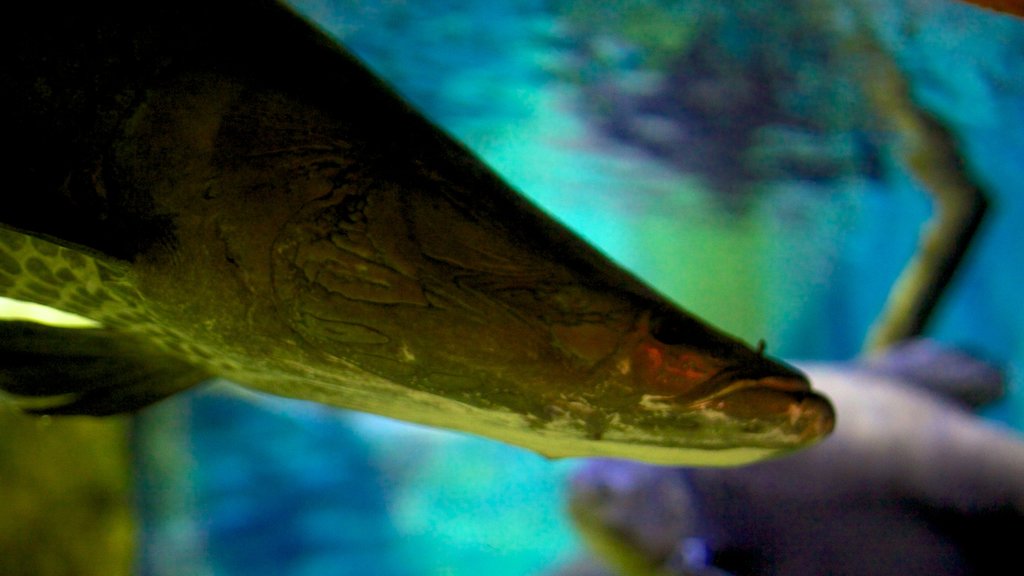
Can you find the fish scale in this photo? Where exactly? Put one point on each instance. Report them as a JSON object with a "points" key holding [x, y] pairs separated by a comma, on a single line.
{"points": [[36, 270]]}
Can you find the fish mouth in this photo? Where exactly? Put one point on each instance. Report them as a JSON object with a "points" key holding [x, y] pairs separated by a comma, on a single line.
{"points": [[781, 402], [785, 404], [784, 384], [774, 375]]}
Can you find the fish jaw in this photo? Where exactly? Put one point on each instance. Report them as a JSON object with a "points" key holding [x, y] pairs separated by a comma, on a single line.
{"points": [[748, 425], [752, 409], [698, 397]]}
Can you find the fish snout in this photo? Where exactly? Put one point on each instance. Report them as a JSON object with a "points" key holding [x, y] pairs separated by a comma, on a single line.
{"points": [[808, 410], [786, 404], [816, 416]]}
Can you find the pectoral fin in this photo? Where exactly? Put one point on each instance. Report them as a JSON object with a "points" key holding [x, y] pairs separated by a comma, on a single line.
{"points": [[87, 371]]}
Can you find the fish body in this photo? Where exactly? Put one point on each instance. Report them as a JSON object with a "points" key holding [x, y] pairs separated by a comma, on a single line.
{"points": [[911, 482], [226, 192]]}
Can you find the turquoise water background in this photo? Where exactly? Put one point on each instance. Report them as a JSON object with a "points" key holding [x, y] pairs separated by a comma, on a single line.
{"points": [[239, 484]]}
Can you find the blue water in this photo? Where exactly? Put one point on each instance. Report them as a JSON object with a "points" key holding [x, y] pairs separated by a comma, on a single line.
{"points": [[280, 487]]}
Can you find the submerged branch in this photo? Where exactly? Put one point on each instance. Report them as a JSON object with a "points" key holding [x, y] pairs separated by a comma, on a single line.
{"points": [[934, 158]]}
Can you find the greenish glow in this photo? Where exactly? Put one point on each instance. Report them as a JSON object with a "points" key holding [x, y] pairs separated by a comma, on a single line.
{"points": [[56, 522], [711, 265], [11, 309]]}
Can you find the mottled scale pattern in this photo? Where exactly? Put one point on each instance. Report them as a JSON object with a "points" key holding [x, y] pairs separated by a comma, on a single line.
{"points": [[36, 270]]}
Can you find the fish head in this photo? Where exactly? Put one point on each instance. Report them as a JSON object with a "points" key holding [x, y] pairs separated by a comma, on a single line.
{"points": [[695, 396], [547, 362]]}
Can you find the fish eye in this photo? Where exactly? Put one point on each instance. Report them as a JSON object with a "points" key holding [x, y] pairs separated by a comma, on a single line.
{"points": [[672, 328]]}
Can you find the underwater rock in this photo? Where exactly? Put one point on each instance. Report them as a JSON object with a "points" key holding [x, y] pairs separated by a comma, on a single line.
{"points": [[910, 483]]}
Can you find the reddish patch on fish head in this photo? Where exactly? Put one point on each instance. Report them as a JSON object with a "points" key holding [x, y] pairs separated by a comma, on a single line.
{"points": [[677, 355], [663, 369]]}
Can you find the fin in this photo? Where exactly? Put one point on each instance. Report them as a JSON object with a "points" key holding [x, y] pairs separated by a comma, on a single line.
{"points": [[947, 371], [85, 371]]}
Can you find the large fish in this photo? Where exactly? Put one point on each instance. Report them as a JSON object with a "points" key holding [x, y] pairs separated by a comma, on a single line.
{"points": [[910, 483], [227, 192]]}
